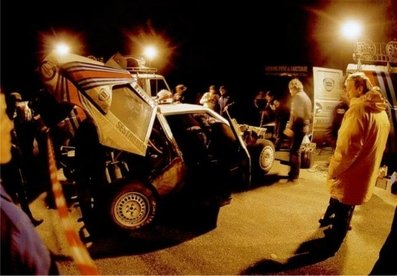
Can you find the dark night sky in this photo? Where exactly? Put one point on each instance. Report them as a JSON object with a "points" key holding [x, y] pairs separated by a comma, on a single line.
{"points": [[204, 42]]}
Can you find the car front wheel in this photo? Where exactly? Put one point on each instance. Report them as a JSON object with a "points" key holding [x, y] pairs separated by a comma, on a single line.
{"points": [[133, 206]]}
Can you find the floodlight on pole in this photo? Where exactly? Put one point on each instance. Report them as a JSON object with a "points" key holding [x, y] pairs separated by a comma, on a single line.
{"points": [[150, 52], [351, 30], [62, 48]]}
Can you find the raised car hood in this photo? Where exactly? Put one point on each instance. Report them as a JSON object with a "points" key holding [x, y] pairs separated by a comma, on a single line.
{"points": [[122, 111]]}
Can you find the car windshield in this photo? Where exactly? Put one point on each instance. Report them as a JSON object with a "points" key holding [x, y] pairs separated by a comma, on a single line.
{"points": [[131, 110]]}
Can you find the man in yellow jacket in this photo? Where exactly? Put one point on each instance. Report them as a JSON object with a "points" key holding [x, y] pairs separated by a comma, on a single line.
{"points": [[354, 166]]}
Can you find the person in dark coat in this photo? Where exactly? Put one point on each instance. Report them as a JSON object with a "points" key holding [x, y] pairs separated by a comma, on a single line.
{"points": [[22, 250], [386, 263], [337, 117], [18, 174], [224, 100], [281, 119]]}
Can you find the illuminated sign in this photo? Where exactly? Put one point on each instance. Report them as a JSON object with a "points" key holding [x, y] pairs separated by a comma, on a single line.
{"points": [[287, 70]]}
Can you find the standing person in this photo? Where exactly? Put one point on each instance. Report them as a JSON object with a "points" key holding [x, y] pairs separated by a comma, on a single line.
{"points": [[18, 174], [22, 250], [386, 264], [260, 103], [354, 166], [264, 103], [281, 119], [210, 99], [179, 95], [224, 100], [337, 116], [298, 124], [268, 113]]}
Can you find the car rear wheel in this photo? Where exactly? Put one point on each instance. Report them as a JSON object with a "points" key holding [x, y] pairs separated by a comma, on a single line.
{"points": [[262, 157], [133, 206], [266, 156]]}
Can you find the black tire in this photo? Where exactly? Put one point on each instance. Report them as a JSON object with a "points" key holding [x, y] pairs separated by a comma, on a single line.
{"points": [[262, 157], [132, 206]]}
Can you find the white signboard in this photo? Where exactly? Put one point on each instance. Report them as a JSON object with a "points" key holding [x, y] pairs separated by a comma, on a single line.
{"points": [[328, 85]]}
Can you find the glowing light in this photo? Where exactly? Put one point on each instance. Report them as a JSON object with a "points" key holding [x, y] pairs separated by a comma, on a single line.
{"points": [[62, 48], [150, 52], [351, 30]]}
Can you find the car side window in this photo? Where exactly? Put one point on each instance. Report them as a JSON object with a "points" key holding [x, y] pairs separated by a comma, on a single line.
{"points": [[190, 137]]}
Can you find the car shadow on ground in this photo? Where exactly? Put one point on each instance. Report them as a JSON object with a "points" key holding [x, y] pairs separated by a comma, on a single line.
{"points": [[174, 225], [265, 180]]}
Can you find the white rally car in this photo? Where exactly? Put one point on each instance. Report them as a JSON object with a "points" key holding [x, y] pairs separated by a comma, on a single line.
{"points": [[131, 152]]}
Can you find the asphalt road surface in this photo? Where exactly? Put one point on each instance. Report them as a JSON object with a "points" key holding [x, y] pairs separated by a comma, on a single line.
{"points": [[262, 231]]}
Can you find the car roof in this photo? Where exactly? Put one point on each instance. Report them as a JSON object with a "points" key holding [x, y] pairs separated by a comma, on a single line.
{"points": [[172, 108], [181, 108], [178, 108]]}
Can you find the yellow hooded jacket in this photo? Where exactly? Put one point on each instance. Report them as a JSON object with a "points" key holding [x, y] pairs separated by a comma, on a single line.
{"points": [[362, 139]]}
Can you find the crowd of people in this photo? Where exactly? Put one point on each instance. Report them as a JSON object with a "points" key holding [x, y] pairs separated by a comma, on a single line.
{"points": [[358, 136]]}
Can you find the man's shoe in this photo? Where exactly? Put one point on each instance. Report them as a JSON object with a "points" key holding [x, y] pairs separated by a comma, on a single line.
{"points": [[222, 201], [328, 231], [37, 222], [226, 201], [325, 221], [292, 177]]}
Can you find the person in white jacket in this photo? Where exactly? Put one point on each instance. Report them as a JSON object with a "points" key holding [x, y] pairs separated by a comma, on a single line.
{"points": [[354, 166], [210, 99]]}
